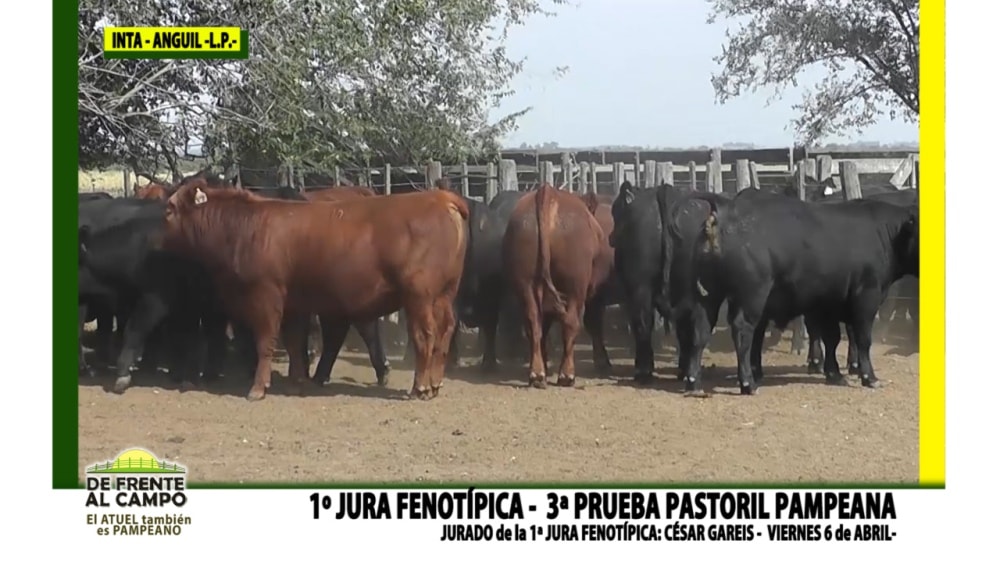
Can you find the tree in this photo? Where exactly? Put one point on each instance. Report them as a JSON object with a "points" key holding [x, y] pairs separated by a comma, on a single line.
{"points": [[870, 50], [327, 83]]}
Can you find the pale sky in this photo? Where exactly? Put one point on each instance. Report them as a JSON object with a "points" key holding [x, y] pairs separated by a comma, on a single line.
{"points": [[639, 74]]}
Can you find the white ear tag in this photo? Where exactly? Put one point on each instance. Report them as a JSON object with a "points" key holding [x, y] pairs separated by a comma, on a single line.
{"points": [[199, 197]]}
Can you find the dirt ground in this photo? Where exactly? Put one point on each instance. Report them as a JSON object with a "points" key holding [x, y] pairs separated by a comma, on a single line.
{"points": [[494, 428]]}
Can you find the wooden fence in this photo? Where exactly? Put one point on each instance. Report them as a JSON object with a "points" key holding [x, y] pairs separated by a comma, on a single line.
{"points": [[604, 171]]}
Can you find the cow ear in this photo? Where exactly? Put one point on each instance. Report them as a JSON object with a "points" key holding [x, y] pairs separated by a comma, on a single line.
{"points": [[200, 198], [626, 193]]}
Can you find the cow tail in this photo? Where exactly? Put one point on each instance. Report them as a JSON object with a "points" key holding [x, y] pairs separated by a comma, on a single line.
{"points": [[543, 210]]}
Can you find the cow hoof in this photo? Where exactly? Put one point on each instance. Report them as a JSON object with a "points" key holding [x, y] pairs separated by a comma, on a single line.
{"points": [[854, 369], [421, 392], [814, 368], [748, 390], [871, 383], [566, 380], [320, 382], [537, 380], [382, 380], [488, 366], [699, 393], [603, 367], [187, 385], [643, 378], [836, 380], [434, 391], [255, 394], [122, 383]]}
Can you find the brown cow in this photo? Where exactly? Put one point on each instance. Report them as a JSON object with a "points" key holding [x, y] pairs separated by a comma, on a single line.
{"points": [[555, 259], [338, 193], [276, 262]]}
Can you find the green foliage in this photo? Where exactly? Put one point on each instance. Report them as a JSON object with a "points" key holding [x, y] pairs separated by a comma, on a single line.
{"points": [[870, 50], [327, 83]]}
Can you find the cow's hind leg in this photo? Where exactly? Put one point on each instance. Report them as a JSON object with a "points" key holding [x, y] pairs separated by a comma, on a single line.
{"points": [[593, 320], [570, 331], [533, 328], [641, 320], [371, 334], [445, 327], [863, 318], [295, 333], [853, 363], [743, 325], [547, 321], [814, 329], [757, 350], [263, 319], [421, 328], [147, 314], [831, 339], [334, 330]]}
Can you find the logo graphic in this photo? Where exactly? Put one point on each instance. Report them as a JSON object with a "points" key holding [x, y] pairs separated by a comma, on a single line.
{"points": [[136, 479], [135, 461]]}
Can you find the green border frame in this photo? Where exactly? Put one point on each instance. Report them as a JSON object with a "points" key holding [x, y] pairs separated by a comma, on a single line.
{"points": [[65, 381], [65, 161]]}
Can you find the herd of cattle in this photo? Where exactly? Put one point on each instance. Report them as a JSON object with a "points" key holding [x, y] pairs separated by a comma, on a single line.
{"points": [[180, 267]]}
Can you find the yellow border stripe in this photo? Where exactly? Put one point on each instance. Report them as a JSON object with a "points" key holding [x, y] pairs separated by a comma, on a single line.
{"points": [[932, 235]]}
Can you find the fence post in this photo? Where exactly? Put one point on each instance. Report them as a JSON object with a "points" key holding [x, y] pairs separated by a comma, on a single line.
{"points": [[388, 179], [547, 172], [593, 176], [693, 170], [742, 174], [637, 170], [618, 173], [810, 165], [849, 179], [717, 170], [665, 173], [754, 178], [914, 167], [582, 174], [508, 175], [126, 176], [649, 173], [465, 179], [491, 182], [799, 180], [432, 174], [824, 167], [567, 171]]}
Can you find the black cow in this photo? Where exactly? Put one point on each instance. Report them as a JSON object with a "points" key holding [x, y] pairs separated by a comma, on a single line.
{"points": [[775, 258], [98, 213], [149, 286], [93, 195], [906, 287], [639, 261]]}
